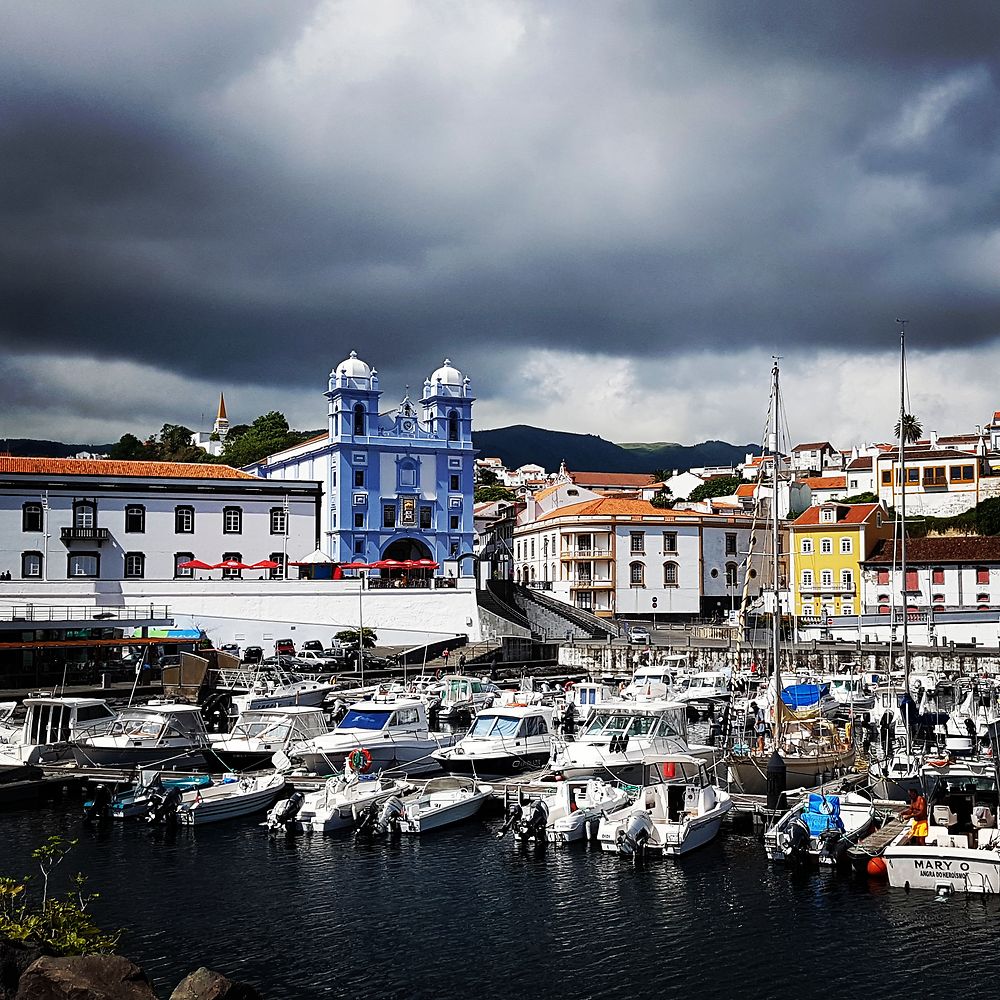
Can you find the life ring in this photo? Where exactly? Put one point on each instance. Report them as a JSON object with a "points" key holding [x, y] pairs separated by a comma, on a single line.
{"points": [[568, 686], [940, 763], [360, 761]]}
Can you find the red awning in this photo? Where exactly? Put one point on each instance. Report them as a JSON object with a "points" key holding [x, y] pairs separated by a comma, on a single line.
{"points": [[195, 564]]}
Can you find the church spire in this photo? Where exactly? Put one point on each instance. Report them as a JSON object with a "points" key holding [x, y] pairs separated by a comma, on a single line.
{"points": [[221, 427], [221, 415]]}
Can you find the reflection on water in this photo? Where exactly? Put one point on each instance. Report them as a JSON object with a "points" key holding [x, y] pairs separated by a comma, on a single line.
{"points": [[460, 911]]}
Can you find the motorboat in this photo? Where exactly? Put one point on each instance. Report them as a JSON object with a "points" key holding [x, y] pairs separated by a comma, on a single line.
{"points": [[679, 811], [852, 695], [961, 851], [48, 727], [392, 732], [703, 691], [570, 811], [502, 741], [214, 803], [156, 735], [656, 681], [587, 696], [337, 805], [135, 799], [465, 695], [261, 733], [242, 690], [820, 829], [622, 737], [442, 802]]}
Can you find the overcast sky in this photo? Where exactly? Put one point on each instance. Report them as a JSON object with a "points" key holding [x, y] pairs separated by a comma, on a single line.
{"points": [[608, 214]]}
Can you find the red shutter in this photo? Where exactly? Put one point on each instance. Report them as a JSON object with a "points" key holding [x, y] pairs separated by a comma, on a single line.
{"points": [[883, 577], [937, 576], [982, 574], [911, 580]]}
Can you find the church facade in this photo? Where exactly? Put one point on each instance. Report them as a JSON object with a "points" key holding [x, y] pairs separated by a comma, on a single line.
{"points": [[395, 484]]}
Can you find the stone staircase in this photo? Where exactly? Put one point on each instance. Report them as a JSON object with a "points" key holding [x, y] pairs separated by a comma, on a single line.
{"points": [[549, 617]]}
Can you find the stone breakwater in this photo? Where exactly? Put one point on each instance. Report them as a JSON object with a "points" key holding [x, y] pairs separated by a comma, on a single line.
{"points": [[30, 973]]}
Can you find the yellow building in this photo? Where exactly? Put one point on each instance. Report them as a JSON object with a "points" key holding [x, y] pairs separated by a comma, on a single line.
{"points": [[829, 543]]}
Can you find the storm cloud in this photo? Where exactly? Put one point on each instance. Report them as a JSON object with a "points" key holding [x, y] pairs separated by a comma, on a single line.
{"points": [[576, 201]]}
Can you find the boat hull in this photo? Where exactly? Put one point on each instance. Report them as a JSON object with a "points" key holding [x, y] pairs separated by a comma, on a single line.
{"points": [[435, 818], [943, 869], [409, 756], [159, 758], [749, 774], [493, 766], [200, 809]]}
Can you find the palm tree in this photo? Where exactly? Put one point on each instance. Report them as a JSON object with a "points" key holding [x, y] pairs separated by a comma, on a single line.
{"points": [[912, 429]]}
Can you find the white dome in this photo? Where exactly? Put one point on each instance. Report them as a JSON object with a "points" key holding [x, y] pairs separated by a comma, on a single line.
{"points": [[354, 367], [447, 375]]}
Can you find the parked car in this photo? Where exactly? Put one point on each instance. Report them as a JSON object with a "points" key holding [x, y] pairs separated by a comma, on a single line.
{"points": [[639, 634], [284, 647], [231, 648], [253, 654], [313, 644], [310, 659]]}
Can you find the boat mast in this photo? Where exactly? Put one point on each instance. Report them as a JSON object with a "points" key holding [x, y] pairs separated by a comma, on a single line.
{"points": [[902, 518], [776, 625]]}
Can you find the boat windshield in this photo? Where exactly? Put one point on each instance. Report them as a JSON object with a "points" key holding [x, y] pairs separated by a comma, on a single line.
{"points": [[365, 719], [135, 726], [457, 690], [615, 724], [496, 726], [274, 730]]}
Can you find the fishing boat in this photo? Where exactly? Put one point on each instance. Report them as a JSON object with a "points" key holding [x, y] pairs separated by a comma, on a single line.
{"points": [[48, 727], [166, 735], [820, 829], [391, 732], [502, 741], [135, 800], [678, 811], [227, 800], [261, 733], [961, 851]]}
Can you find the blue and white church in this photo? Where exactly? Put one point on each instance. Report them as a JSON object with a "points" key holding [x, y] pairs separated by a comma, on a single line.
{"points": [[396, 484]]}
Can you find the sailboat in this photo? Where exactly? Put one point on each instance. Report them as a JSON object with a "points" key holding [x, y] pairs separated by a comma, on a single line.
{"points": [[810, 748]]}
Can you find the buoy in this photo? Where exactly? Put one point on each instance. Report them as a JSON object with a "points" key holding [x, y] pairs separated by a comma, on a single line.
{"points": [[877, 868]]}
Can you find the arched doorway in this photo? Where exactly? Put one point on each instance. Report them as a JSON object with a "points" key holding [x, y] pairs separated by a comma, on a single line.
{"points": [[407, 551], [407, 548]]}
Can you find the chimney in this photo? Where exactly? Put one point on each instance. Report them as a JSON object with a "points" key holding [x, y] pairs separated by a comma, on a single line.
{"points": [[934, 439]]}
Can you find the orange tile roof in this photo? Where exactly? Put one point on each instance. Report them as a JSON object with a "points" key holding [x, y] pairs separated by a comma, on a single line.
{"points": [[111, 467], [825, 482], [857, 513], [618, 506], [814, 446], [611, 479], [746, 489]]}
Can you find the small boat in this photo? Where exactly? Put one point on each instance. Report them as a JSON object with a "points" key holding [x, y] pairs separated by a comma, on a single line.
{"points": [[261, 733], [228, 800], [851, 694], [442, 802], [135, 800], [570, 812], [704, 691], [49, 726], [677, 813], [502, 741], [465, 695], [821, 828], [338, 804]]}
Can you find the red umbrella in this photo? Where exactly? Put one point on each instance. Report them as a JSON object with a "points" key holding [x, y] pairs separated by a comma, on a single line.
{"points": [[426, 564], [194, 564], [265, 564], [387, 564], [230, 564], [355, 565]]}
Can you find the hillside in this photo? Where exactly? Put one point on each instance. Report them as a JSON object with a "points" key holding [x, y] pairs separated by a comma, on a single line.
{"points": [[31, 448], [521, 444]]}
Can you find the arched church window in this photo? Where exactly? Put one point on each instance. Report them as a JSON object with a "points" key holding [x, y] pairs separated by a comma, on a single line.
{"points": [[359, 419], [453, 425]]}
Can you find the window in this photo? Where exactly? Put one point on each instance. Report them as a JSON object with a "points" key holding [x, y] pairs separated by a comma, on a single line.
{"points": [[913, 476], [847, 610], [808, 610], [532, 548], [232, 574], [359, 520], [454, 483], [826, 578], [388, 515], [847, 579], [31, 565], [807, 578], [883, 578], [453, 425], [135, 565], [545, 547], [83, 564], [359, 546], [982, 574], [938, 599], [277, 573], [829, 515], [406, 474], [453, 551], [518, 551], [637, 542], [279, 520], [826, 546], [453, 525], [937, 575], [359, 477], [670, 574], [669, 541], [85, 516], [180, 572], [887, 477], [359, 419], [408, 512], [636, 573], [934, 475], [232, 520], [425, 518], [807, 546], [846, 546], [961, 473], [730, 574], [135, 519], [184, 523], [730, 543], [32, 518]]}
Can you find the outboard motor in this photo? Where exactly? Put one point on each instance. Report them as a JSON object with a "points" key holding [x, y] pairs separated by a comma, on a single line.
{"points": [[285, 814], [339, 711], [514, 814], [532, 826], [100, 807], [632, 838], [376, 822], [832, 847], [163, 806], [794, 842]]}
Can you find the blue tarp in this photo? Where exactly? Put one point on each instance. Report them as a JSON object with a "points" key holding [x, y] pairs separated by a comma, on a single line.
{"points": [[803, 695]]}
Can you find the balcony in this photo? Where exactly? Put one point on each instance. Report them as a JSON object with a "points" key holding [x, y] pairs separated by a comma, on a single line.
{"points": [[590, 584], [585, 554], [829, 588], [98, 535]]}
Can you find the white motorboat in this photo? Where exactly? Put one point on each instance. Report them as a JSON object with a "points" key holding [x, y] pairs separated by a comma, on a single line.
{"points": [[168, 735], [570, 811], [704, 691], [465, 695], [587, 696], [49, 726], [135, 799], [677, 813], [442, 802], [961, 849], [622, 737], [271, 687], [656, 681], [821, 828], [502, 741], [391, 732], [229, 800], [851, 694], [337, 805], [261, 733]]}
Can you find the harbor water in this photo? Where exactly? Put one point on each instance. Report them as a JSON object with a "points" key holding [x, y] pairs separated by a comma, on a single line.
{"points": [[460, 913]]}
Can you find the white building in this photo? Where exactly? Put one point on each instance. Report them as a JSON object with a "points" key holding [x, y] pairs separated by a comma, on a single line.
{"points": [[213, 440]]}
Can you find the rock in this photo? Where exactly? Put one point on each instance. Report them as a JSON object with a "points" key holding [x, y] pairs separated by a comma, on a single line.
{"points": [[14, 959], [85, 977], [204, 984]]}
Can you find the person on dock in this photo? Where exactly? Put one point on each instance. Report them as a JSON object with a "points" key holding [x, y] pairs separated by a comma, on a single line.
{"points": [[916, 812], [759, 725]]}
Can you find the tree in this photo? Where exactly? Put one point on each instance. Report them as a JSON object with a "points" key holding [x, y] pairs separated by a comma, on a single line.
{"points": [[912, 429], [660, 475], [266, 435], [486, 477], [720, 486], [866, 497], [349, 637], [662, 499], [484, 494], [130, 449], [175, 445]]}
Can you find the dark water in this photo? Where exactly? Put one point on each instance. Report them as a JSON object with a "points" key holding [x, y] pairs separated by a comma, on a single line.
{"points": [[459, 913]]}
